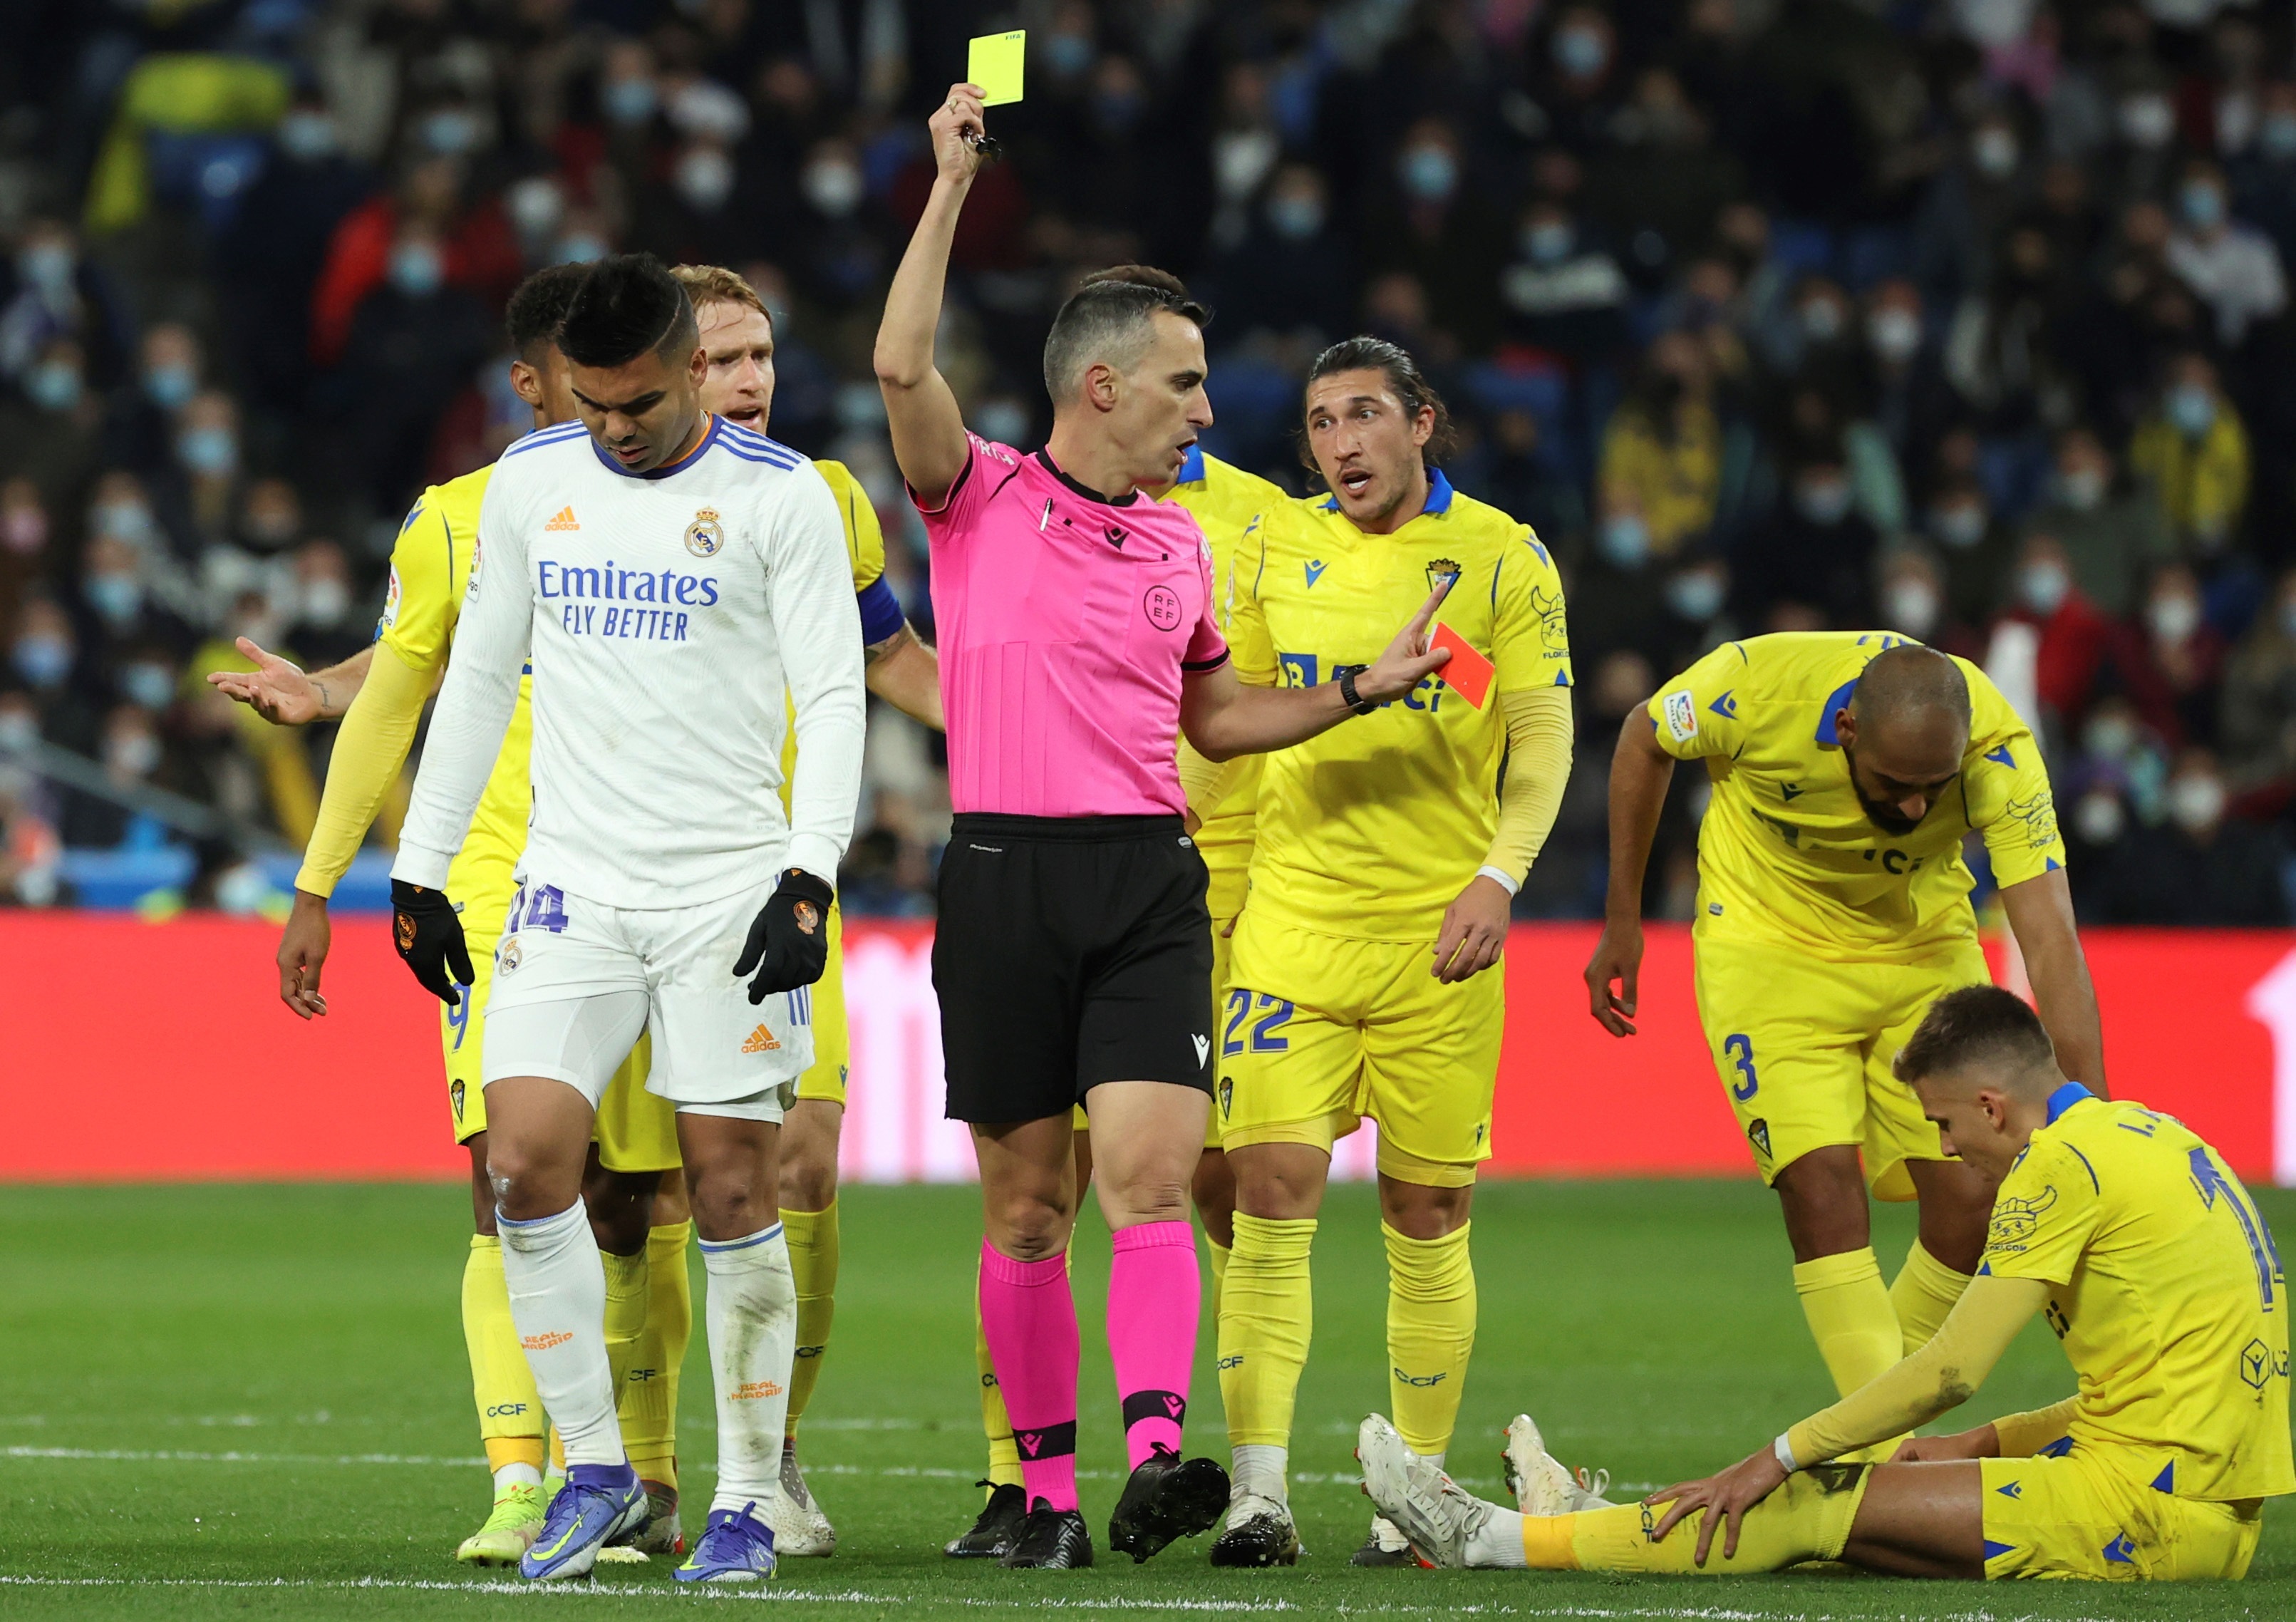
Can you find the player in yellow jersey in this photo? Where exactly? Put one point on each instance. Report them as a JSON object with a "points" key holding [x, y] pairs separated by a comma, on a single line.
{"points": [[1231, 505], [1385, 858], [426, 590], [1832, 908], [2117, 1227], [738, 335]]}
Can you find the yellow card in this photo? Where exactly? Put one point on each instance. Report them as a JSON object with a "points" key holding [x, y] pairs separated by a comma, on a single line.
{"points": [[995, 62]]}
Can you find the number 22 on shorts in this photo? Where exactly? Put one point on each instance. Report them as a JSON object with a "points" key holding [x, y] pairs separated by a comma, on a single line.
{"points": [[1274, 1013]]}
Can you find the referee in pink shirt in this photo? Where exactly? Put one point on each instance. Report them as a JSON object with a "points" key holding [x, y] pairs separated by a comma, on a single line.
{"points": [[1073, 957]]}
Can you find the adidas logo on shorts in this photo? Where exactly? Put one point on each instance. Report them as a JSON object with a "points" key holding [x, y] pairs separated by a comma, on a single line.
{"points": [[761, 1041]]}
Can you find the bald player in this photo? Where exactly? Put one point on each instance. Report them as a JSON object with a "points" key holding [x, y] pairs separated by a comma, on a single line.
{"points": [[2120, 1227], [1833, 909]]}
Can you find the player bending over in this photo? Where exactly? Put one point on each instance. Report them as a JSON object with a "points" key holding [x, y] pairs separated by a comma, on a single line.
{"points": [[1365, 982], [633, 1191], [670, 577], [1833, 909], [1073, 956], [2150, 1263], [1230, 505]]}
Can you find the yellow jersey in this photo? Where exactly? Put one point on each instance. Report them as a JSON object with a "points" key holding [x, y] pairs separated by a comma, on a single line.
{"points": [[1372, 829], [881, 611], [1786, 853], [2170, 1296], [1231, 506]]}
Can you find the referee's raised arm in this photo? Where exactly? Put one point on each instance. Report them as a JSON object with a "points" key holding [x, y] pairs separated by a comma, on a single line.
{"points": [[927, 428]]}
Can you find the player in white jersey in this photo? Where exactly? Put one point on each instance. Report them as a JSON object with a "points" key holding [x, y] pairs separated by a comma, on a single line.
{"points": [[669, 577]]}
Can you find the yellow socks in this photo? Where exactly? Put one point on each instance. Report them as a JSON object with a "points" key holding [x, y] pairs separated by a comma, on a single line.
{"points": [[812, 1253], [509, 1411], [1430, 1333], [1924, 1292], [1809, 1519], [1268, 1309], [1219, 1253], [646, 1394], [1850, 1316], [1004, 1454]]}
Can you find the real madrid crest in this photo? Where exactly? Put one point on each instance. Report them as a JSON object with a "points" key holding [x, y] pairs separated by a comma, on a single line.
{"points": [[507, 956], [705, 536]]}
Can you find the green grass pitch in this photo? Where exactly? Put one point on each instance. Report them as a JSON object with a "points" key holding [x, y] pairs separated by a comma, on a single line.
{"points": [[252, 1401]]}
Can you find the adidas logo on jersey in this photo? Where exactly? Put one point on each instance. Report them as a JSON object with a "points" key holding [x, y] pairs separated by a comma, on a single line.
{"points": [[564, 520], [761, 1041]]}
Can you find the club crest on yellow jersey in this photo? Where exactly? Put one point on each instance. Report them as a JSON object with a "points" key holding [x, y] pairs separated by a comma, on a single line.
{"points": [[2038, 813], [1442, 572], [705, 536]]}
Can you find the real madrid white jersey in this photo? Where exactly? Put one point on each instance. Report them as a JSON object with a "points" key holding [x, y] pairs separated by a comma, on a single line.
{"points": [[664, 615]]}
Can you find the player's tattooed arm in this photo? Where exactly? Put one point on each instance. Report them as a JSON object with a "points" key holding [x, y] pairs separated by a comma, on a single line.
{"points": [[285, 694], [905, 673], [1640, 773]]}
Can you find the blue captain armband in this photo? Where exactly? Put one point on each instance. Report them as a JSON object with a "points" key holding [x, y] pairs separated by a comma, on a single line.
{"points": [[881, 614]]}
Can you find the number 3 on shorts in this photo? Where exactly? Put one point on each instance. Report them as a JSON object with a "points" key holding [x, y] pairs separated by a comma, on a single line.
{"points": [[1740, 1051], [1274, 1012]]}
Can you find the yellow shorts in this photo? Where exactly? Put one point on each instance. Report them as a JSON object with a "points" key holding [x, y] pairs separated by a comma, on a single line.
{"points": [[833, 1039], [1317, 1031], [1222, 946], [634, 1130], [1803, 1045], [2088, 1515]]}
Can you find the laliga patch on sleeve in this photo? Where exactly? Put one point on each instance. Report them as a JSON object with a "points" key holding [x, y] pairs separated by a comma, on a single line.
{"points": [[996, 63], [1469, 674], [1682, 716], [390, 600]]}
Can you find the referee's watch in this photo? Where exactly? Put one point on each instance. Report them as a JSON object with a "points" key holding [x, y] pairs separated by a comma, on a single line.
{"points": [[1348, 694]]}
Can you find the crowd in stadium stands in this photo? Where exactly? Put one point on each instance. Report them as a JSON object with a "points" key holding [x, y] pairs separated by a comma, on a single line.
{"points": [[1965, 318]]}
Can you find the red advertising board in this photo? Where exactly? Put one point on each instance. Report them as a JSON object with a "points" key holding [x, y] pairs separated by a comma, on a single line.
{"points": [[140, 1050]]}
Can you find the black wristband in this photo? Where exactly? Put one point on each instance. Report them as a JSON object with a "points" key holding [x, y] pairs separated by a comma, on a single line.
{"points": [[1348, 694]]}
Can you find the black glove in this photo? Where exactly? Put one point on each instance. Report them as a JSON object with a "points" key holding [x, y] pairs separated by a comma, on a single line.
{"points": [[428, 935], [788, 943]]}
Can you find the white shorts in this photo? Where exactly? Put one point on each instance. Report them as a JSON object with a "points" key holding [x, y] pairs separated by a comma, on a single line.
{"points": [[576, 981]]}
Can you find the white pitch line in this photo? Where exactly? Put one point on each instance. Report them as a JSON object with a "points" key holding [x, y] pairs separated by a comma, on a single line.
{"points": [[854, 1596]]}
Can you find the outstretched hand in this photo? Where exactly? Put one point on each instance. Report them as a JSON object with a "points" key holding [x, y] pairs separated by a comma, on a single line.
{"points": [[1726, 1497], [1408, 659], [277, 689], [959, 126]]}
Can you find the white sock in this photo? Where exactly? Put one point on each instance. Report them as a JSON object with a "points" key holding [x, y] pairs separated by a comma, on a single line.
{"points": [[516, 1475], [1257, 1469], [752, 1316], [1498, 1541], [558, 1301]]}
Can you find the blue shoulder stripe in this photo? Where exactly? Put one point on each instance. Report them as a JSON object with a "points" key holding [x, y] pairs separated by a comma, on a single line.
{"points": [[547, 436], [741, 455], [749, 439]]}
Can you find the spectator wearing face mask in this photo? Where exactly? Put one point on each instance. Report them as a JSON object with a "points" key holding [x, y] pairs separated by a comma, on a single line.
{"points": [[43, 658], [1660, 184], [835, 253], [413, 345], [2072, 635], [1977, 556], [132, 754], [324, 624], [471, 248], [170, 370], [2168, 658], [25, 531], [1661, 463], [2232, 266], [1911, 597], [1968, 205], [2256, 716], [2111, 533], [53, 423], [117, 608], [2263, 175], [696, 216], [1817, 551], [2193, 448], [2200, 867], [49, 290], [1289, 269], [1573, 79], [201, 480], [1428, 220], [1903, 391], [1564, 295]]}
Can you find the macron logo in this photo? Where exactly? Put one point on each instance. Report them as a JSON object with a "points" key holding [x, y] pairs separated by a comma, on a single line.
{"points": [[564, 520], [1314, 571], [1203, 1048]]}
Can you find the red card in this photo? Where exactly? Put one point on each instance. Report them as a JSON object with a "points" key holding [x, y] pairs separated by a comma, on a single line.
{"points": [[1469, 673]]}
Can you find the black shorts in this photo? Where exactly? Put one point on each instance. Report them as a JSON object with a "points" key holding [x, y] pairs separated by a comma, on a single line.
{"points": [[1070, 950]]}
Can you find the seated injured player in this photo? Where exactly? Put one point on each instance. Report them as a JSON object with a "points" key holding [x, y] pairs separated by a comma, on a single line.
{"points": [[2149, 1261]]}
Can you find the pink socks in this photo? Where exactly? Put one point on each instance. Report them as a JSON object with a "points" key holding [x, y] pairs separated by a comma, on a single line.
{"points": [[1153, 1291], [1029, 1320]]}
